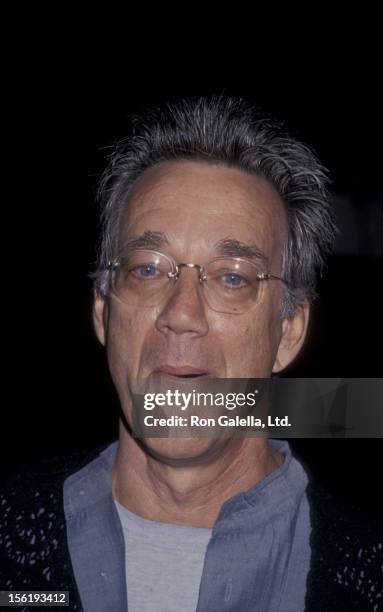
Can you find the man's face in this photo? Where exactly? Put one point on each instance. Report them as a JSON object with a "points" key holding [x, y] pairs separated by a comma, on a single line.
{"points": [[196, 205]]}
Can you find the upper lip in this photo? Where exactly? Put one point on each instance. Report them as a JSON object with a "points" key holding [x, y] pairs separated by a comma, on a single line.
{"points": [[183, 370]]}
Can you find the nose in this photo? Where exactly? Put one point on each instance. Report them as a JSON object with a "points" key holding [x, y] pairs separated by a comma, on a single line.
{"points": [[184, 312]]}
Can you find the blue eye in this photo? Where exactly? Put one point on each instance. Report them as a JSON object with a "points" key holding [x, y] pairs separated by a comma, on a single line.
{"points": [[147, 270], [234, 280]]}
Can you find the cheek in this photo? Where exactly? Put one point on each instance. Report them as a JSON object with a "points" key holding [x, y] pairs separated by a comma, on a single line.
{"points": [[253, 351], [250, 347], [126, 333]]}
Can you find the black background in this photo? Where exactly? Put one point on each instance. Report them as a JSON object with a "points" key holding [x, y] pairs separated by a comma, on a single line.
{"points": [[69, 100]]}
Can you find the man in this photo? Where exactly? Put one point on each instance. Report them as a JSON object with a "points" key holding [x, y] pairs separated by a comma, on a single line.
{"points": [[215, 223]]}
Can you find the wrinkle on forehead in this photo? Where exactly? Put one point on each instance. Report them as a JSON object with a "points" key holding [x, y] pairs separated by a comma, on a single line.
{"points": [[189, 196]]}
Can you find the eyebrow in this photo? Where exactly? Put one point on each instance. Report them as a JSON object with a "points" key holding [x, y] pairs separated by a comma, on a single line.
{"points": [[235, 248], [148, 240], [226, 246]]}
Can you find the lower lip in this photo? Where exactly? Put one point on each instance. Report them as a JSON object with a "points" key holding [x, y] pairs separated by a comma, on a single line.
{"points": [[178, 377]]}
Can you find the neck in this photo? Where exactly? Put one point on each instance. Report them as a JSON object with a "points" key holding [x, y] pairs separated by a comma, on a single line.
{"points": [[188, 494]]}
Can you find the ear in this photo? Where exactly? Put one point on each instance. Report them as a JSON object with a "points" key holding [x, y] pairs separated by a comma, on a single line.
{"points": [[294, 331], [100, 317]]}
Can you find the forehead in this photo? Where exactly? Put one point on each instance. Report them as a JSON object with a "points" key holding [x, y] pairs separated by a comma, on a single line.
{"points": [[199, 203]]}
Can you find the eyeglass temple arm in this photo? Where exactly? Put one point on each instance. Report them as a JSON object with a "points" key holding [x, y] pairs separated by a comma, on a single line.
{"points": [[112, 265], [267, 276]]}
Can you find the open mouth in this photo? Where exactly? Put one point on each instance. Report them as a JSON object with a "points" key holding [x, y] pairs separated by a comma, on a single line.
{"points": [[184, 372], [190, 375]]}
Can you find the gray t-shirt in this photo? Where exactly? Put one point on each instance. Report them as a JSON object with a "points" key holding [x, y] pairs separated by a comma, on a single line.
{"points": [[164, 563]]}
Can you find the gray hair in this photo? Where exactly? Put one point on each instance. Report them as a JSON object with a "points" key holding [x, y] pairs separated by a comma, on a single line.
{"points": [[233, 132]]}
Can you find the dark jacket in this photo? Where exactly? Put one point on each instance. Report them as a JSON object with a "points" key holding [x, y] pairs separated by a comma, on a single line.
{"points": [[346, 560]]}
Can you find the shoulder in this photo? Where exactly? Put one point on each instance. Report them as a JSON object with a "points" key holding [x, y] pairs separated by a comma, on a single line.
{"points": [[346, 555], [33, 546]]}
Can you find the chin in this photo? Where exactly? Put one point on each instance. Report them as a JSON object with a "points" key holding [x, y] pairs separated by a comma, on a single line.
{"points": [[183, 452]]}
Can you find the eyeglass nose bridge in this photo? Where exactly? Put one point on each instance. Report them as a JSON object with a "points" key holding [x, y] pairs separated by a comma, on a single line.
{"points": [[201, 271]]}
